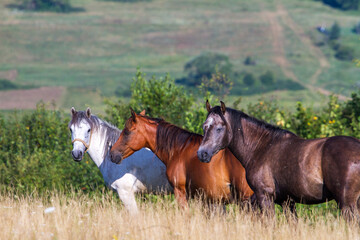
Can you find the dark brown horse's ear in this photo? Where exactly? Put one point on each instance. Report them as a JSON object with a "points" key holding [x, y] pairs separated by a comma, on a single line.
{"points": [[142, 112], [223, 107], [208, 106], [88, 112], [73, 111], [133, 114]]}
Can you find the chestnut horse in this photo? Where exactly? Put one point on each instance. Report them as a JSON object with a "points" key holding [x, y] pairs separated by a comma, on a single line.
{"points": [[280, 165], [177, 148]]}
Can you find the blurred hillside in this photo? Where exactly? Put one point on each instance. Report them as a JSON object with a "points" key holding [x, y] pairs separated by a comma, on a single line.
{"points": [[77, 58]]}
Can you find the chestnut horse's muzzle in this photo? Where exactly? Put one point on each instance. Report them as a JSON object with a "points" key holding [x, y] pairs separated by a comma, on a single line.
{"points": [[116, 157]]}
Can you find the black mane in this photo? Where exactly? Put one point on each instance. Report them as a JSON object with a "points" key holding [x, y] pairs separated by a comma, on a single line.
{"points": [[236, 116]]}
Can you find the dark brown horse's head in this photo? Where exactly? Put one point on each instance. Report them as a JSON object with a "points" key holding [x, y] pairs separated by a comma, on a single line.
{"points": [[217, 133], [131, 138]]}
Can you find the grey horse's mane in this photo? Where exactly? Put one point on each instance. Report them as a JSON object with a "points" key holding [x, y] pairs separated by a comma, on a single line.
{"points": [[109, 131]]}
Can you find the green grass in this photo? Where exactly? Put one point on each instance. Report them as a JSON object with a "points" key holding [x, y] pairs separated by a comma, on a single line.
{"points": [[101, 47]]}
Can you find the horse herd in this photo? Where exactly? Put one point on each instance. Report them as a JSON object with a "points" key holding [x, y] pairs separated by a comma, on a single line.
{"points": [[239, 159]]}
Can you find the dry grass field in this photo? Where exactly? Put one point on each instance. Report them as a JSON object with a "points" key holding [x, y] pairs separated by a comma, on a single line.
{"points": [[56, 216]]}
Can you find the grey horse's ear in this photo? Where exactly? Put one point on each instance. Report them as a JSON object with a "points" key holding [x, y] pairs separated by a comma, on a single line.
{"points": [[88, 112], [223, 107], [208, 106], [73, 111]]}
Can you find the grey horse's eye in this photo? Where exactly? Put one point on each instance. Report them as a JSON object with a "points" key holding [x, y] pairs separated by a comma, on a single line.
{"points": [[218, 130], [89, 130]]}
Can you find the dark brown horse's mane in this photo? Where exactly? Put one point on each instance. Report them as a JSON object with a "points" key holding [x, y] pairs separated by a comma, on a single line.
{"points": [[236, 115], [170, 137]]}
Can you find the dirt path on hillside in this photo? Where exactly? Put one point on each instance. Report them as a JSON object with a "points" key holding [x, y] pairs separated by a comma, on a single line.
{"points": [[27, 99], [278, 43]]}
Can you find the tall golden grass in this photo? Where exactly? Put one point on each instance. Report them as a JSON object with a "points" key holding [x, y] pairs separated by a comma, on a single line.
{"points": [[79, 216]]}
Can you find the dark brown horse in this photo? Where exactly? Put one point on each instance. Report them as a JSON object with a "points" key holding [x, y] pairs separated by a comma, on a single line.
{"points": [[177, 148], [280, 165]]}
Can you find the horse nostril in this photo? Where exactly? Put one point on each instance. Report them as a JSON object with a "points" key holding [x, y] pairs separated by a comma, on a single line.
{"points": [[115, 157], [77, 155], [204, 155]]}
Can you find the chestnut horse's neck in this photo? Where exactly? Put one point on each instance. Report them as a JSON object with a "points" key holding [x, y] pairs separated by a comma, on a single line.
{"points": [[167, 140], [252, 136]]}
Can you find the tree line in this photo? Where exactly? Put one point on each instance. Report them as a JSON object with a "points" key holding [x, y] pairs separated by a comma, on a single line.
{"points": [[35, 147]]}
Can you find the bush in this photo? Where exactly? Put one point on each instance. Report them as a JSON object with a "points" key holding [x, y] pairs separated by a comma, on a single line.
{"points": [[249, 79], [345, 53], [343, 4], [249, 61], [48, 5], [35, 154], [267, 78], [335, 32], [356, 28], [7, 85], [160, 97], [204, 66]]}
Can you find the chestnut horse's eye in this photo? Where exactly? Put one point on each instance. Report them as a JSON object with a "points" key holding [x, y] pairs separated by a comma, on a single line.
{"points": [[218, 130]]}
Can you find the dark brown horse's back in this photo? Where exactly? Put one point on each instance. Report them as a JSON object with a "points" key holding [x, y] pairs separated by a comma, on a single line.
{"points": [[341, 167]]}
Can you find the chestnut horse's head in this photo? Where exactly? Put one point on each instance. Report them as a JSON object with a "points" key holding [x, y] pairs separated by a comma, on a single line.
{"points": [[131, 138], [217, 133]]}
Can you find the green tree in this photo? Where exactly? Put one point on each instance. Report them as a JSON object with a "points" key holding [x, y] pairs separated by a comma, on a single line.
{"points": [[219, 84], [204, 66], [345, 53], [267, 78], [335, 32], [343, 4], [47, 5], [160, 97], [249, 79]]}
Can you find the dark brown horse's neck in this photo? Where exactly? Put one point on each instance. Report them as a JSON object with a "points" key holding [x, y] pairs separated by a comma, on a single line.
{"points": [[252, 141]]}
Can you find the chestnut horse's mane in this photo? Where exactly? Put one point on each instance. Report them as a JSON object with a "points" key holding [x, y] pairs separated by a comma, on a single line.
{"points": [[170, 137]]}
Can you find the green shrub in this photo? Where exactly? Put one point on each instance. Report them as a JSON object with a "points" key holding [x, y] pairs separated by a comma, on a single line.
{"points": [[48, 5], [345, 53], [35, 153], [249, 79], [7, 85], [343, 4], [204, 66], [267, 78], [335, 32], [159, 97]]}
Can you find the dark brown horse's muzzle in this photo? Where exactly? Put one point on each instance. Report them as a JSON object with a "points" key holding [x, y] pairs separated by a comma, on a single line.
{"points": [[116, 157], [204, 156]]}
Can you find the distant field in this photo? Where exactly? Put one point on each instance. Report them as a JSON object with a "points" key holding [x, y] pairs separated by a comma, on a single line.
{"points": [[96, 52]]}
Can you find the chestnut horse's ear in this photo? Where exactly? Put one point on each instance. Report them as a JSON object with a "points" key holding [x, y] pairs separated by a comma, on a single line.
{"points": [[223, 107], [88, 112], [142, 112], [208, 106], [133, 114], [73, 111]]}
